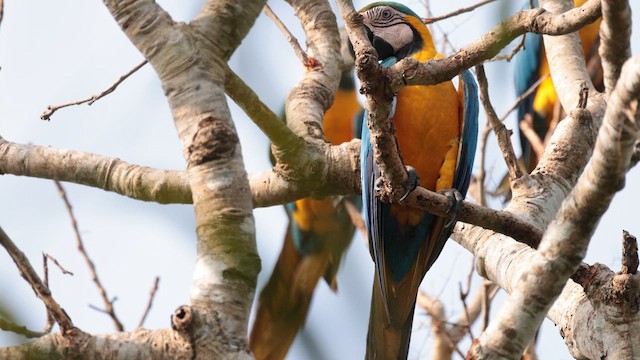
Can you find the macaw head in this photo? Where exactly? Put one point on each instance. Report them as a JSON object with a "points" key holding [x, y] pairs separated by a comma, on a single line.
{"points": [[393, 29]]}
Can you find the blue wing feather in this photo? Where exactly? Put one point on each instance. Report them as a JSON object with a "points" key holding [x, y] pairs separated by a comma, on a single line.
{"points": [[469, 134], [527, 68]]}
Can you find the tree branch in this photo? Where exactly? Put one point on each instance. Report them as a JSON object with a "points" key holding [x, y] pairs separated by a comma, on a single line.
{"points": [[457, 12], [503, 136], [378, 108], [566, 239], [90, 100], [110, 174], [411, 72], [19, 329], [30, 275], [108, 303], [615, 37], [139, 344]]}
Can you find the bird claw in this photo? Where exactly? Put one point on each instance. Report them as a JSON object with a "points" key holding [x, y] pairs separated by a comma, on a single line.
{"points": [[454, 204], [412, 181]]}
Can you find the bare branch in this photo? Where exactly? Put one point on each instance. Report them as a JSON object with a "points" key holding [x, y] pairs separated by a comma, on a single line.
{"points": [[270, 124], [457, 12], [502, 134], [49, 324], [513, 52], [629, 253], [152, 295], [411, 72], [50, 321], [6, 325], [522, 97], [64, 271], [90, 100], [29, 274], [526, 127], [156, 344], [110, 174], [108, 305], [447, 338], [307, 61], [615, 35], [378, 105], [567, 237]]}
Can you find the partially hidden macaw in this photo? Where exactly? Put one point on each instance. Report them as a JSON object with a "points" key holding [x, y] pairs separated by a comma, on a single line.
{"points": [[530, 65], [436, 129], [319, 232]]}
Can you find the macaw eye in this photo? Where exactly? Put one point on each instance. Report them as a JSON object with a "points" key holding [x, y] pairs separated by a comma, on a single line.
{"points": [[386, 14]]}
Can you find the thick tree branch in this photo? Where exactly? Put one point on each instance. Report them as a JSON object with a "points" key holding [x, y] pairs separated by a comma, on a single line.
{"points": [[566, 60], [615, 37], [270, 124], [190, 61], [378, 108], [566, 239], [110, 174], [410, 72], [140, 344]]}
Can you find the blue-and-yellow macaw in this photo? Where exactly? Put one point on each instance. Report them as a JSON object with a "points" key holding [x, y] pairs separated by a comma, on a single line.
{"points": [[436, 130], [319, 232], [530, 65]]}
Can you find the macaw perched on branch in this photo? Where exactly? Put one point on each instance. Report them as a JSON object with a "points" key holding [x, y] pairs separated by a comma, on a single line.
{"points": [[436, 129], [319, 232], [542, 108]]}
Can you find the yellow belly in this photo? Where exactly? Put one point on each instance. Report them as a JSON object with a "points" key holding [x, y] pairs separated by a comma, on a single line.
{"points": [[427, 128]]}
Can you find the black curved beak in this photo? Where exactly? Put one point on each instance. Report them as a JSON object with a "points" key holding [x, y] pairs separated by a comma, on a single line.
{"points": [[384, 49]]}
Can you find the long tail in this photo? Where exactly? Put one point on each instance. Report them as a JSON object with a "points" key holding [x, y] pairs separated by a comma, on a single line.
{"points": [[284, 302], [384, 340]]}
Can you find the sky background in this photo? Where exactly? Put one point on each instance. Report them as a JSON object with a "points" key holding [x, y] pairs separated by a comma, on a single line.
{"points": [[56, 52]]}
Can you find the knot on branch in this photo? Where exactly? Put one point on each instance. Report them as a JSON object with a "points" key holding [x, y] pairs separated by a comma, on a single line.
{"points": [[534, 23], [215, 139], [181, 318], [617, 293]]}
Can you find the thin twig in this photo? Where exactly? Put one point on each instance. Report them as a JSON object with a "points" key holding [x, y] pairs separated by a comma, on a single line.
{"points": [[354, 214], [29, 274], [513, 53], [307, 61], [152, 295], [90, 100], [463, 298], [7, 325], [45, 267], [457, 12], [526, 128], [480, 177], [108, 305], [522, 97], [502, 134], [64, 271]]}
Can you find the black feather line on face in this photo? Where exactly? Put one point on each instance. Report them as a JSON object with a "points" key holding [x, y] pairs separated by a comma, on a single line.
{"points": [[411, 48], [382, 17]]}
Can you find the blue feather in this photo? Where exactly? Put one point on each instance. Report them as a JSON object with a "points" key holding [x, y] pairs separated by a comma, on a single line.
{"points": [[527, 68]]}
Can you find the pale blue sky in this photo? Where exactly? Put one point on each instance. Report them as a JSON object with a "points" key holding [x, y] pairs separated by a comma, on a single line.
{"points": [[54, 52]]}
